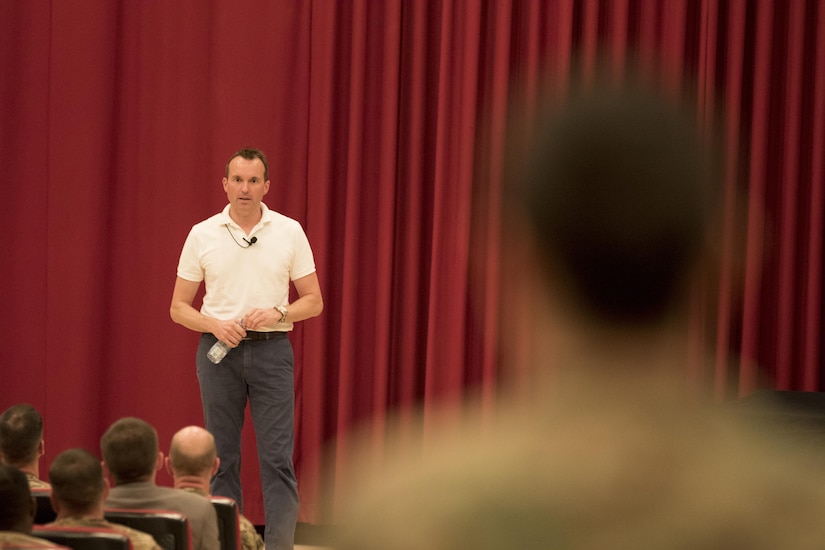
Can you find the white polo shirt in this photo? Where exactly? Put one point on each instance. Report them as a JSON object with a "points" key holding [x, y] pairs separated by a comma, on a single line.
{"points": [[239, 277]]}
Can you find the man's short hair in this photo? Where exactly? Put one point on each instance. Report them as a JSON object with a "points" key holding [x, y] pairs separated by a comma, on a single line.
{"points": [[130, 449], [15, 500], [617, 190], [21, 431], [250, 154], [76, 477]]}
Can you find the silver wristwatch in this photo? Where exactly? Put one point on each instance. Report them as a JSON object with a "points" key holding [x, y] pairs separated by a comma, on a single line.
{"points": [[284, 312]]}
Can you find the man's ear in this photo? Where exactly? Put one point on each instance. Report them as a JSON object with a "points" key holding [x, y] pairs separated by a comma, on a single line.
{"points": [[159, 461], [216, 465], [55, 504], [107, 475], [169, 469], [42, 449]]}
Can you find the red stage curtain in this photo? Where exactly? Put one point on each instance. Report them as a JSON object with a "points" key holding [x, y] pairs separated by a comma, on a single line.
{"points": [[384, 125]]}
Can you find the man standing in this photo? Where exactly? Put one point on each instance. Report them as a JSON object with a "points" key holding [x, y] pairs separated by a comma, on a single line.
{"points": [[21, 442], [246, 257]]}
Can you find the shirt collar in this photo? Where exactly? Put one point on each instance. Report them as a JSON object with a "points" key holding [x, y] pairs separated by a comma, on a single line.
{"points": [[225, 219]]}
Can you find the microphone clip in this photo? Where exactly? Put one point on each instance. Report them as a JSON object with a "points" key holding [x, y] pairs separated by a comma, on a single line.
{"points": [[249, 242]]}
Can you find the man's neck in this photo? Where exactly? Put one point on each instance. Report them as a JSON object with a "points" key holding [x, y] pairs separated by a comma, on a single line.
{"points": [[33, 469], [192, 482], [605, 361], [94, 513], [146, 479], [246, 222]]}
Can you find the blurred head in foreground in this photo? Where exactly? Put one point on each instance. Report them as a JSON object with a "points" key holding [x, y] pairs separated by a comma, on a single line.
{"points": [[615, 190], [613, 194], [610, 203]]}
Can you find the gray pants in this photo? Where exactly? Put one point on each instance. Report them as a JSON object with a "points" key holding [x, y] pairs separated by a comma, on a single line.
{"points": [[261, 372]]}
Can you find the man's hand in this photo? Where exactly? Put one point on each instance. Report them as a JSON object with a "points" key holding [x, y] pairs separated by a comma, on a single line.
{"points": [[230, 332], [261, 317]]}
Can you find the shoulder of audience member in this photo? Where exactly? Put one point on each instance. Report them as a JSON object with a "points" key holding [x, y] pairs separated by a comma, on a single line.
{"points": [[250, 538], [13, 539]]}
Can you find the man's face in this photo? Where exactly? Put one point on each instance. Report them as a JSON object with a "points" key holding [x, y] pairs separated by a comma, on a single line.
{"points": [[245, 185]]}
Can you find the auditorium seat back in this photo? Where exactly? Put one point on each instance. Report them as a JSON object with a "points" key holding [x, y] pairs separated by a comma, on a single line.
{"points": [[229, 523], [45, 513], [170, 529], [83, 538]]}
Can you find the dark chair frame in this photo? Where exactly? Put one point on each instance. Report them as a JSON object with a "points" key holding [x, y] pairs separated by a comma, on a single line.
{"points": [[170, 529], [229, 522], [43, 499], [83, 538]]}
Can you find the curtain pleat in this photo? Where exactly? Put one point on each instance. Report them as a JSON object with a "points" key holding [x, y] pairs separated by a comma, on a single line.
{"points": [[732, 59], [748, 377], [789, 251], [813, 308]]}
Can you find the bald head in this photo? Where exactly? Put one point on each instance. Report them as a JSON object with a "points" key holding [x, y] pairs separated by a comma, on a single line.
{"points": [[192, 452]]}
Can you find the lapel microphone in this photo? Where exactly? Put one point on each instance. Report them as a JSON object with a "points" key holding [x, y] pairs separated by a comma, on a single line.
{"points": [[249, 242]]}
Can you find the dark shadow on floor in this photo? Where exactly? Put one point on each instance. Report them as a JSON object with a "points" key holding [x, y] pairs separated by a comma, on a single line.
{"points": [[310, 534]]}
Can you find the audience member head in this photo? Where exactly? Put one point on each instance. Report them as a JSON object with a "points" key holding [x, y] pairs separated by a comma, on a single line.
{"points": [[130, 451], [78, 487], [21, 436], [192, 453], [17, 508], [616, 188], [611, 204], [613, 192]]}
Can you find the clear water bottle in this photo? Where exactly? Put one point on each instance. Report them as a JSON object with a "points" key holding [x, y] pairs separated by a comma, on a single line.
{"points": [[217, 352], [219, 349]]}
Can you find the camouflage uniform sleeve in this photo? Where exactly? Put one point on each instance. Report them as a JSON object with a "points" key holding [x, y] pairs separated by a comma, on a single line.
{"points": [[36, 483], [142, 541], [250, 539]]}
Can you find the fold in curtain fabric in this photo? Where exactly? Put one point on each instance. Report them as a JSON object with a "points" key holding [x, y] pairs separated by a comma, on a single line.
{"points": [[384, 123]]}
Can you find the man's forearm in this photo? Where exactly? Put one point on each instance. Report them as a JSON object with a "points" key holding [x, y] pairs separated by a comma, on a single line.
{"points": [[305, 307], [191, 318]]}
